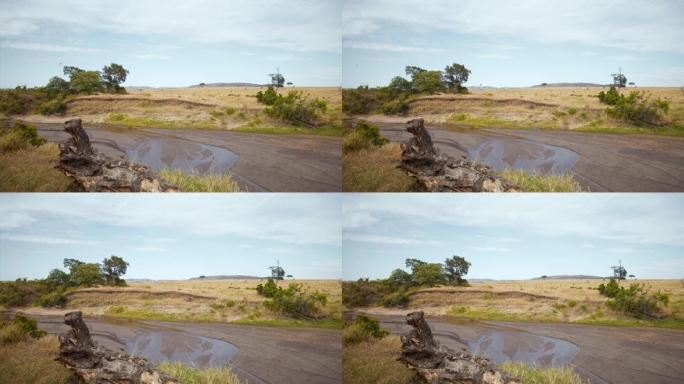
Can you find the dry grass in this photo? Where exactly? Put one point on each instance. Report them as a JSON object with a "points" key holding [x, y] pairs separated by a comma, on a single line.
{"points": [[553, 375], [374, 169], [32, 170], [191, 375], [194, 108], [542, 300], [544, 108], [200, 183], [530, 182], [198, 300], [32, 362], [374, 362]]}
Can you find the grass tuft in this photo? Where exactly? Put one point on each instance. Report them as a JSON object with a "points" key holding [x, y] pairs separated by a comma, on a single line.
{"points": [[32, 362], [532, 375], [374, 169], [374, 362], [536, 183], [32, 170], [199, 183], [191, 375]]}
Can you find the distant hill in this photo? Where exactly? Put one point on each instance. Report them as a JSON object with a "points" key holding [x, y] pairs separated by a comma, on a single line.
{"points": [[570, 277], [482, 280], [570, 85], [228, 277], [226, 85]]}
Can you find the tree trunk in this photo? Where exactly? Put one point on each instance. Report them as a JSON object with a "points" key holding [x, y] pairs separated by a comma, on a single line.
{"points": [[435, 364], [439, 173], [95, 172], [93, 364]]}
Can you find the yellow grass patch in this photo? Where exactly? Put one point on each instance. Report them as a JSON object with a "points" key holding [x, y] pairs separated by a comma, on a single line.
{"points": [[374, 169], [374, 362], [32, 170], [32, 362]]}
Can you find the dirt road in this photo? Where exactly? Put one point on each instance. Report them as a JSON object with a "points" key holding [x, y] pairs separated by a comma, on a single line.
{"points": [[619, 355], [259, 162], [600, 162], [262, 355]]}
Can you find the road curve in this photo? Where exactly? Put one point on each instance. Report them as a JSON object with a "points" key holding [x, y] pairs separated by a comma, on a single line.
{"points": [[611, 163], [614, 355], [268, 163], [264, 355]]}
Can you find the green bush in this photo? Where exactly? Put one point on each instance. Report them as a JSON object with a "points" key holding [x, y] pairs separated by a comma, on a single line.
{"points": [[637, 107], [293, 302], [363, 328], [362, 136], [396, 299], [364, 292], [397, 106], [20, 100], [269, 97], [269, 290], [19, 293], [636, 300], [53, 299], [610, 98], [296, 108], [56, 106], [21, 328], [229, 111], [363, 100]]}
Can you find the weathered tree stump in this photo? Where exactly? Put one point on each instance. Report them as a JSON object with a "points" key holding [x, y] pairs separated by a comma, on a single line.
{"points": [[93, 364], [440, 173], [435, 364], [96, 172]]}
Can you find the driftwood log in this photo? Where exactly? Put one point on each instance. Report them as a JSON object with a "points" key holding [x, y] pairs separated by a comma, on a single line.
{"points": [[435, 364], [93, 364], [440, 173], [96, 172]]}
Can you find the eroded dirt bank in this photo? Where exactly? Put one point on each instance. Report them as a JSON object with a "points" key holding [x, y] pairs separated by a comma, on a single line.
{"points": [[262, 355], [259, 162], [600, 162], [614, 355]]}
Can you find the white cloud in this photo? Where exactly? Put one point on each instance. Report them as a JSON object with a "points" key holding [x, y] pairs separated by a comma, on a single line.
{"points": [[16, 220], [296, 25], [45, 47], [639, 25], [151, 56], [491, 249], [387, 239], [45, 240], [149, 249], [387, 47], [491, 56]]}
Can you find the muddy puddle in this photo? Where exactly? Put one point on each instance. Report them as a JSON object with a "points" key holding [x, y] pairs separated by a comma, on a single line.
{"points": [[523, 154], [177, 154], [503, 346], [158, 346]]}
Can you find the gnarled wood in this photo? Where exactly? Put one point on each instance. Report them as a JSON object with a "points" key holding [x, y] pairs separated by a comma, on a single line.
{"points": [[98, 173], [440, 173], [436, 364], [93, 364]]}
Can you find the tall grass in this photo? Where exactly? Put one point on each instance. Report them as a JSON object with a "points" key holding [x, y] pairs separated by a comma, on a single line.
{"points": [[32, 362], [32, 170], [200, 183], [191, 375], [532, 375], [374, 362], [375, 169], [529, 182]]}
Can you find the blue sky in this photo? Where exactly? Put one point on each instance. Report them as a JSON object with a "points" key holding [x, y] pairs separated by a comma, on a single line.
{"points": [[516, 43], [173, 43], [516, 236], [172, 236]]}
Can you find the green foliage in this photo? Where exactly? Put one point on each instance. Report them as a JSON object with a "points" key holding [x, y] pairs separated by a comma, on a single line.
{"points": [[20, 136], [29, 133], [229, 111], [112, 77], [113, 268], [57, 86], [363, 328], [364, 292], [398, 106], [87, 82], [293, 302], [56, 106], [637, 107], [57, 278], [362, 100], [428, 274], [636, 300], [455, 75], [399, 298], [21, 328], [269, 290], [398, 86], [269, 97], [399, 278], [362, 136], [56, 298], [297, 109], [87, 275], [455, 268], [19, 293], [429, 82]]}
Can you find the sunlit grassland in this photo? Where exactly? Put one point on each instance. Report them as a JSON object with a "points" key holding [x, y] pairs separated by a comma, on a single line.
{"points": [[32, 362]]}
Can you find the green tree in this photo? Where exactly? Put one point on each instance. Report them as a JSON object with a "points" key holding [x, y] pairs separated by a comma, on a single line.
{"points": [[87, 82], [399, 85], [113, 268], [428, 82], [113, 75], [455, 268], [619, 272], [57, 85], [277, 80], [86, 274], [413, 263], [57, 278], [277, 273], [70, 264], [428, 274], [413, 71], [399, 277], [455, 75], [71, 71]]}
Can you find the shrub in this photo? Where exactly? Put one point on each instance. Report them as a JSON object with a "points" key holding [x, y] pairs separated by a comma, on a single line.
{"points": [[18, 293], [269, 290], [296, 108], [362, 136], [610, 98], [21, 328], [20, 100], [229, 111], [364, 292], [572, 111], [269, 97], [192, 375], [396, 299], [292, 301], [363, 328], [56, 106], [363, 100], [398, 106], [636, 300], [20, 136], [572, 303], [53, 299], [637, 107]]}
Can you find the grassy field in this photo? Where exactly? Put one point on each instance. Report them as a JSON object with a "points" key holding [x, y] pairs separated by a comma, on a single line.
{"points": [[191, 375], [566, 108], [201, 300], [375, 169], [542, 300], [221, 108], [32, 362], [32, 170]]}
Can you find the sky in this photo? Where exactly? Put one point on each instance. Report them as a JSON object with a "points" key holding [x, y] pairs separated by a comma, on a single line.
{"points": [[516, 43], [172, 236], [172, 43], [515, 236]]}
